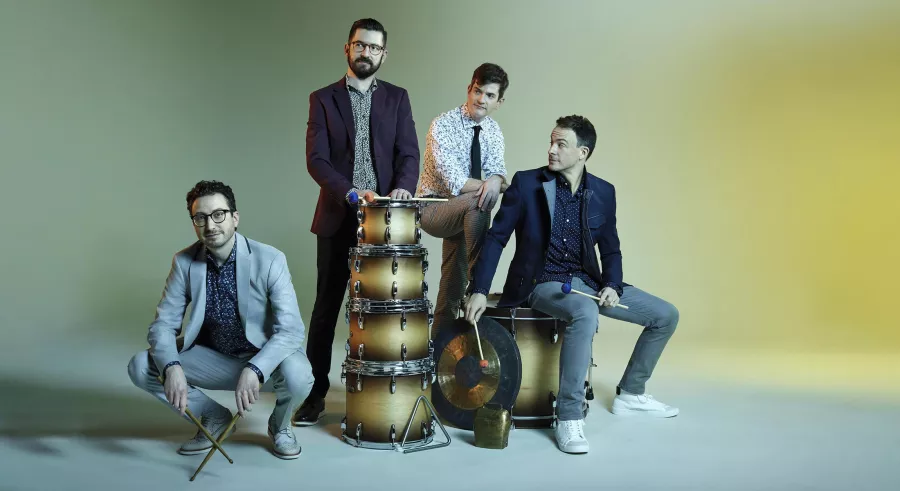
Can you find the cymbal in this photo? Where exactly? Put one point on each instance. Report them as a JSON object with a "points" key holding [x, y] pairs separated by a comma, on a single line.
{"points": [[462, 385]]}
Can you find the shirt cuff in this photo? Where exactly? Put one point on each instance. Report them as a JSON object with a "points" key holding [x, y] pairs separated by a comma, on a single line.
{"points": [[257, 370], [482, 291]]}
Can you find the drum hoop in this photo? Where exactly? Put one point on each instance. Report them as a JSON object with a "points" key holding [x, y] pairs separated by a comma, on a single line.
{"points": [[391, 204], [388, 368], [367, 306], [390, 251], [522, 318]]}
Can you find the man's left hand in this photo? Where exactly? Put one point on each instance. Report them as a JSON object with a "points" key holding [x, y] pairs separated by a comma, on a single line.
{"points": [[488, 193], [247, 391], [400, 194], [609, 297]]}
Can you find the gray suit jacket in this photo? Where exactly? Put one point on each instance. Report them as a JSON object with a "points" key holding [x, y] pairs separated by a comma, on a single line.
{"points": [[267, 304]]}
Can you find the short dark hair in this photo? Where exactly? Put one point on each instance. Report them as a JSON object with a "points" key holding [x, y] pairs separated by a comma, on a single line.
{"points": [[489, 73], [209, 188], [369, 25], [584, 130]]}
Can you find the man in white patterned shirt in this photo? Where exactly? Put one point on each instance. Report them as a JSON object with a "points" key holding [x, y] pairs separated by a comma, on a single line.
{"points": [[460, 143]]}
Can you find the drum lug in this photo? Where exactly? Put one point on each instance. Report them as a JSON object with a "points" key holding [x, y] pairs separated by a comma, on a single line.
{"points": [[387, 217], [387, 234], [425, 431], [418, 215], [553, 401], [360, 234], [359, 383], [356, 264], [347, 348], [418, 235], [555, 337], [430, 348], [343, 376], [357, 287], [394, 290], [394, 265], [588, 391], [360, 350], [344, 423], [347, 314], [359, 321], [393, 385], [360, 216], [430, 320], [424, 381], [403, 352], [358, 433], [424, 266], [403, 321], [512, 322], [424, 287], [393, 435]]}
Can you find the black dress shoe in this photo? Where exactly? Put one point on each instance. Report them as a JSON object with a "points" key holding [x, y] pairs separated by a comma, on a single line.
{"points": [[309, 412]]}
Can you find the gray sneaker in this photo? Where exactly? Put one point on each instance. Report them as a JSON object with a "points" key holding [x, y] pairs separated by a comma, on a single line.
{"points": [[215, 425], [284, 443]]}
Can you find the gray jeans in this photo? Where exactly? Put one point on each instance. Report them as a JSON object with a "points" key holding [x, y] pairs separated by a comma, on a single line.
{"points": [[580, 313], [209, 369], [463, 227]]}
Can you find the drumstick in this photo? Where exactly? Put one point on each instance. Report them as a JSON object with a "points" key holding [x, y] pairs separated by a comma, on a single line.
{"points": [[482, 363], [567, 288], [202, 428], [388, 198], [213, 450]]}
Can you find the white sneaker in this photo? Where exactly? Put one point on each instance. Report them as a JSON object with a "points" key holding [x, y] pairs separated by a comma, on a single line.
{"points": [[644, 404], [570, 436]]}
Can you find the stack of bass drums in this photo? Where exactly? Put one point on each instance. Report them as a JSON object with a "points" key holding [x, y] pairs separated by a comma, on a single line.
{"points": [[390, 361]]}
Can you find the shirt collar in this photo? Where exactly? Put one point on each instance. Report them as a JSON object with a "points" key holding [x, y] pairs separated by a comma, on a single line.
{"points": [[562, 182], [354, 89]]}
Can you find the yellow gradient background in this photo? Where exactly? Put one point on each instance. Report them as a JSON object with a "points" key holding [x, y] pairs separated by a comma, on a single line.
{"points": [[754, 145]]}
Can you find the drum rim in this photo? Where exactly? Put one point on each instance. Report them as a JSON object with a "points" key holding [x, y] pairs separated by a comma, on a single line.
{"points": [[394, 203], [416, 305], [385, 445], [408, 368], [399, 250]]}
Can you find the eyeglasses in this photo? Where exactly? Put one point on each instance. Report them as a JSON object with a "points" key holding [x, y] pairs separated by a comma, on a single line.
{"points": [[359, 47], [218, 216]]}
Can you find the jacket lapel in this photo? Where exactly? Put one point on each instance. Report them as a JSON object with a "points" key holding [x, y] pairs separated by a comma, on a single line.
{"points": [[342, 101], [197, 277], [375, 113], [243, 276], [550, 191]]}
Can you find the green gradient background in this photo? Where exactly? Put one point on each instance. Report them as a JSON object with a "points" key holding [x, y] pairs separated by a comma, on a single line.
{"points": [[755, 147]]}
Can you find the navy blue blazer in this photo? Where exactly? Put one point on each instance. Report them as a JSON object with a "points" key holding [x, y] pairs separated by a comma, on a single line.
{"points": [[527, 210]]}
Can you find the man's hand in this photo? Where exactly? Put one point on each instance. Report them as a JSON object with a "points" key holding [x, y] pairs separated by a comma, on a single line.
{"points": [[247, 391], [475, 307], [488, 193], [609, 297], [176, 388], [368, 195], [400, 194]]}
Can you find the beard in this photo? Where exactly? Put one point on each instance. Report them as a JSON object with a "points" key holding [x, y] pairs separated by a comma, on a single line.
{"points": [[363, 67]]}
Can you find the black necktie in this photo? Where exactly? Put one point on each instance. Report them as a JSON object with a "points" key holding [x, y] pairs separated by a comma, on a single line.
{"points": [[476, 155]]}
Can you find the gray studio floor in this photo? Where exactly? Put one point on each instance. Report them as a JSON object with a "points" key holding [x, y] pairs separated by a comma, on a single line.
{"points": [[729, 436]]}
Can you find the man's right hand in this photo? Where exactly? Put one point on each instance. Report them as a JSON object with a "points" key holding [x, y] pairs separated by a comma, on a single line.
{"points": [[176, 388], [475, 307], [368, 195]]}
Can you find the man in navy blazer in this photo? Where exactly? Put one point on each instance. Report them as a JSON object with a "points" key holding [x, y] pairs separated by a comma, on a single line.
{"points": [[360, 138], [559, 213]]}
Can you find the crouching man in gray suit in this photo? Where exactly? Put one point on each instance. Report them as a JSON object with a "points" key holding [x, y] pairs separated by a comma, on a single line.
{"points": [[244, 332]]}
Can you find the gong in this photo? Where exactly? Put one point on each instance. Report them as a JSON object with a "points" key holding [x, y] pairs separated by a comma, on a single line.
{"points": [[462, 386]]}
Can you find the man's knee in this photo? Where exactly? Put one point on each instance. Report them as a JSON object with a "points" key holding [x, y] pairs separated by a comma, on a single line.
{"points": [[585, 319], [668, 317], [139, 369], [298, 376]]}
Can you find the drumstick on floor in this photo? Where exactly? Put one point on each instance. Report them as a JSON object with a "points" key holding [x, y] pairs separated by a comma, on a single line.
{"points": [[202, 428], [213, 450], [482, 363], [567, 288]]}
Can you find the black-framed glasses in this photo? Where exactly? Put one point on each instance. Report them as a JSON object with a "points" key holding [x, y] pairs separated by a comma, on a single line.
{"points": [[218, 216], [359, 47]]}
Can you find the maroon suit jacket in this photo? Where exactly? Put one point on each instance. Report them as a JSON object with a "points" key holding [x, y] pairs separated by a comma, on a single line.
{"points": [[331, 142]]}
